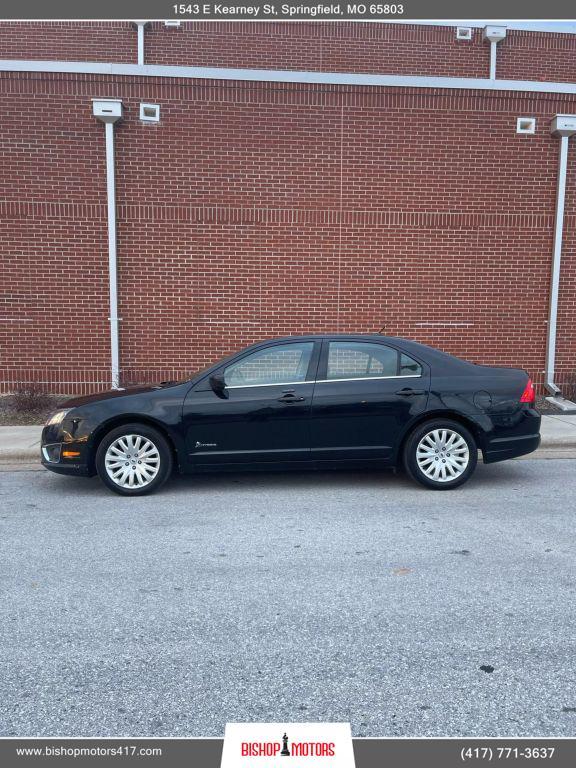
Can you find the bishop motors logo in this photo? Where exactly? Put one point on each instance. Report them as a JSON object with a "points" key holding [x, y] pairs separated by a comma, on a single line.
{"points": [[292, 745], [296, 749]]}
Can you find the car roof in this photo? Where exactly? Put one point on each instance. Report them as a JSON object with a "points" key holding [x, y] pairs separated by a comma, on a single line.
{"points": [[320, 336], [428, 354]]}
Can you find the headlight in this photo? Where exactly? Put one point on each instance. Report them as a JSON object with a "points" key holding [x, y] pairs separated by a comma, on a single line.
{"points": [[57, 417]]}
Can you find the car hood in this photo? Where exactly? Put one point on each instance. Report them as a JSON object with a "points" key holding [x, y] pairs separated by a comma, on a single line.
{"points": [[110, 394]]}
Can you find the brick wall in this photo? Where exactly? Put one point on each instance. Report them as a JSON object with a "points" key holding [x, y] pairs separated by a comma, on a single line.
{"points": [[404, 49], [68, 41], [254, 210]]}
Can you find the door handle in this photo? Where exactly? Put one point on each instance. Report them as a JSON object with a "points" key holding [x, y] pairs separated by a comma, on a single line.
{"points": [[407, 392], [290, 397]]}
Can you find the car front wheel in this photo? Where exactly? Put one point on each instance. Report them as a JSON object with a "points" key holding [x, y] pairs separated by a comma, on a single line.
{"points": [[133, 460], [440, 454]]}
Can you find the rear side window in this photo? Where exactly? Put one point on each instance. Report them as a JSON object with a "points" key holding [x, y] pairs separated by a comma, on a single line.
{"points": [[360, 360], [409, 367]]}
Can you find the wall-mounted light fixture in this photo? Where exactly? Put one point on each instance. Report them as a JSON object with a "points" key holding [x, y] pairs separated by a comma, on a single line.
{"points": [[109, 111], [140, 27], [526, 125], [463, 33], [495, 35], [150, 113], [563, 126]]}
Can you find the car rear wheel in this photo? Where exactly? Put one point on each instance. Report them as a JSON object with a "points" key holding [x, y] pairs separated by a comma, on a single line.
{"points": [[440, 454], [133, 460]]}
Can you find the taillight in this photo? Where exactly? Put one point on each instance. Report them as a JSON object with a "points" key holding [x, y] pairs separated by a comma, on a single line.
{"points": [[529, 395]]}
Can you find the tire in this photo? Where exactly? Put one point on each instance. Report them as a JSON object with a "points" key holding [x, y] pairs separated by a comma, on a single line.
{"points": [[424, 457], [147, 463]]}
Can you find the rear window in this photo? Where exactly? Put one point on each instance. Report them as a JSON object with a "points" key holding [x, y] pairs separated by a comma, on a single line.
{"points": [[360, 360], [365, 360]]}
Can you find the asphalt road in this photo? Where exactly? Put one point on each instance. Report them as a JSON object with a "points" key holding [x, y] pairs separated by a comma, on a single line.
{"points": [[351, 597]]}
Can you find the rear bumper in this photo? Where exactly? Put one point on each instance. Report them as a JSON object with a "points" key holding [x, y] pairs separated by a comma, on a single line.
{"points": [[503, 448], [514, 434]]}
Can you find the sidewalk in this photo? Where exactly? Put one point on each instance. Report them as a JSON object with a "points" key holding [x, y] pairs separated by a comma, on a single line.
{"points": [[558, 438], [21, 445]]}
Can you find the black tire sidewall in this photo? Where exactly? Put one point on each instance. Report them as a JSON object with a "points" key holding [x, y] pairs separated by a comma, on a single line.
{"points": [[151, 434], [411, 464]]}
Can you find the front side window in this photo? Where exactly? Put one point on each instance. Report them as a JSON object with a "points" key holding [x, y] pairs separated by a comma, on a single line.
{"points": [[282, 364], [360, 360]]}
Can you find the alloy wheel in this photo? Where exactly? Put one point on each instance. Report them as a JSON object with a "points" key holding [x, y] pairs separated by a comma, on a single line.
{"points": [[442, 455], [132, 461]]}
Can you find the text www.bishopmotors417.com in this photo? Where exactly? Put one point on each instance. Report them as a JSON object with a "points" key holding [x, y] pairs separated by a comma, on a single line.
{"points": [[119, 750]]}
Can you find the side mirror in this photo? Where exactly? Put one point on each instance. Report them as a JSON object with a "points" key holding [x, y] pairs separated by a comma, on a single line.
{"points": [[218, 385]]}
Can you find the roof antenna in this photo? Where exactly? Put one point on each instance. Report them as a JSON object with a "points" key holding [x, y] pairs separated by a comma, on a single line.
{"points": [[381, 329]]}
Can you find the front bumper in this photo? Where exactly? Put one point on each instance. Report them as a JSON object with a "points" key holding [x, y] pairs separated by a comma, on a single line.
{"points": [[63, 455], [80, 470]]}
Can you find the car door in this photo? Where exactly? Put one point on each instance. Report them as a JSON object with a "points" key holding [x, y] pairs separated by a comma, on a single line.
{"points": [[365, 395], [263, 415]]}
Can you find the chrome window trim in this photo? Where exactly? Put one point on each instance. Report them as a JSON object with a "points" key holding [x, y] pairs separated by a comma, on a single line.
{"points": [[323, 381], [371, 378], [273, 384]]}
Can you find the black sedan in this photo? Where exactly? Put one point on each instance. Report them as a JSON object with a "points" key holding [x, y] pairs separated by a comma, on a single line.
{"points": [[302, 402]]}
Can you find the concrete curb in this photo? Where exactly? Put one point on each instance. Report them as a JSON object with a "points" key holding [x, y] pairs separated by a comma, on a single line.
{"points": [[20, 445]]}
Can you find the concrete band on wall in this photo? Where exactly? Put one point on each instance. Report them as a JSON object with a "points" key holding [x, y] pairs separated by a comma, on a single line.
{"points": [[286, 76]]}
